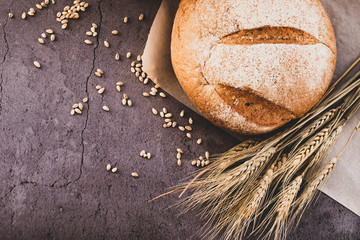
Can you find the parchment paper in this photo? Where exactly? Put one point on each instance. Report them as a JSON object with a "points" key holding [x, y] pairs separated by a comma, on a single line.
{"points": [[343, 184]]}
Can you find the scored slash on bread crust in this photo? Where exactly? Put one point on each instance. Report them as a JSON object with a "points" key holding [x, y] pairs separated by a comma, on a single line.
{"points": [[251, 66]]}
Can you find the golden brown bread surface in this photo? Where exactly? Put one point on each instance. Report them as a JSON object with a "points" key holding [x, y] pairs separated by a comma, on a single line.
{"points": [[251, 66]]}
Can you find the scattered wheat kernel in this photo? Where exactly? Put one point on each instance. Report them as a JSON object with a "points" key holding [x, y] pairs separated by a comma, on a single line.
{"points": [[128, 55], [202, 163], [95, 34], [49, 31], [118, 88], [198, 162], [129, 103], [64, 26], [117, 57], [173, 124], [201, 158], [123, 101], [94, 25], [143, 75], [154, 111], [199, 141], [23, 16], [72, 112], [97, 74], [98, 87], [119, 83], [207, 155], [178, 155], [86, 5], [148, 155], [46, 2], [11, 15], [53, 2], [101, 90], [181, 128], [78, 111], [168, 115], [81, 107], [188, 128], [85, 100], [139, 58], [191, 121], [37, 64], [169, 124], [58, 14], [89, 33], [141, 79], [31, 13], [164, 125], [106, 43], [52, 37], [146, 80], [106, 108], [126, 19], [167, 120], [115, 32], [182, 113], [43, 4], [164, 110], [193, 162], [207, 162], [88, 42], [75, 105], [132, 70], [145, 94], [135, 175], [41, 40], [38, 6], [179, 162], [114, 170], [153, 93], [141, 17], [179, 150], [125, 96], [43, 35], [188, 135], [100, 71], [162, 114], [162, 94], [154, 90], [138, 65], [137, 69], [133, 63], [142, 153], [108, 167]]}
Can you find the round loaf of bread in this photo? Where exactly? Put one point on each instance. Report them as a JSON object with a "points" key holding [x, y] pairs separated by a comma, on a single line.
{"points": [[251, 66]]}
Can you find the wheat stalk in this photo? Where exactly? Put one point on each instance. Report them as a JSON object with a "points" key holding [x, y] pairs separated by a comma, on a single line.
{"points": [[241, 184], [282, 208], [247, 209]]}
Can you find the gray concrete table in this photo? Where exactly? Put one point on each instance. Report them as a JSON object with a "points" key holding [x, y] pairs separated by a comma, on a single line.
{"points": [[54, 184]]}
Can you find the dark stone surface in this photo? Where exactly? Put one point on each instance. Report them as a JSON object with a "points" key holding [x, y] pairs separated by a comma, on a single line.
{"points": [[52, 166]]}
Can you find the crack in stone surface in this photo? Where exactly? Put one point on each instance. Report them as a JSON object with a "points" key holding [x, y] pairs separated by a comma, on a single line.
{"points": [[87, 95], [20, 184], [4, 58]]}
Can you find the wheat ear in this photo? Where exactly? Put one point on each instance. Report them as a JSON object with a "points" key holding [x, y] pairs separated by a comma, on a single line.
{"points": [[296, 161], [281, 209], [248, 209]]}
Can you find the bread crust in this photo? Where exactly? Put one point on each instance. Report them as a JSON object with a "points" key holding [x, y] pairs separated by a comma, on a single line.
{"points": [[251, 66]]}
